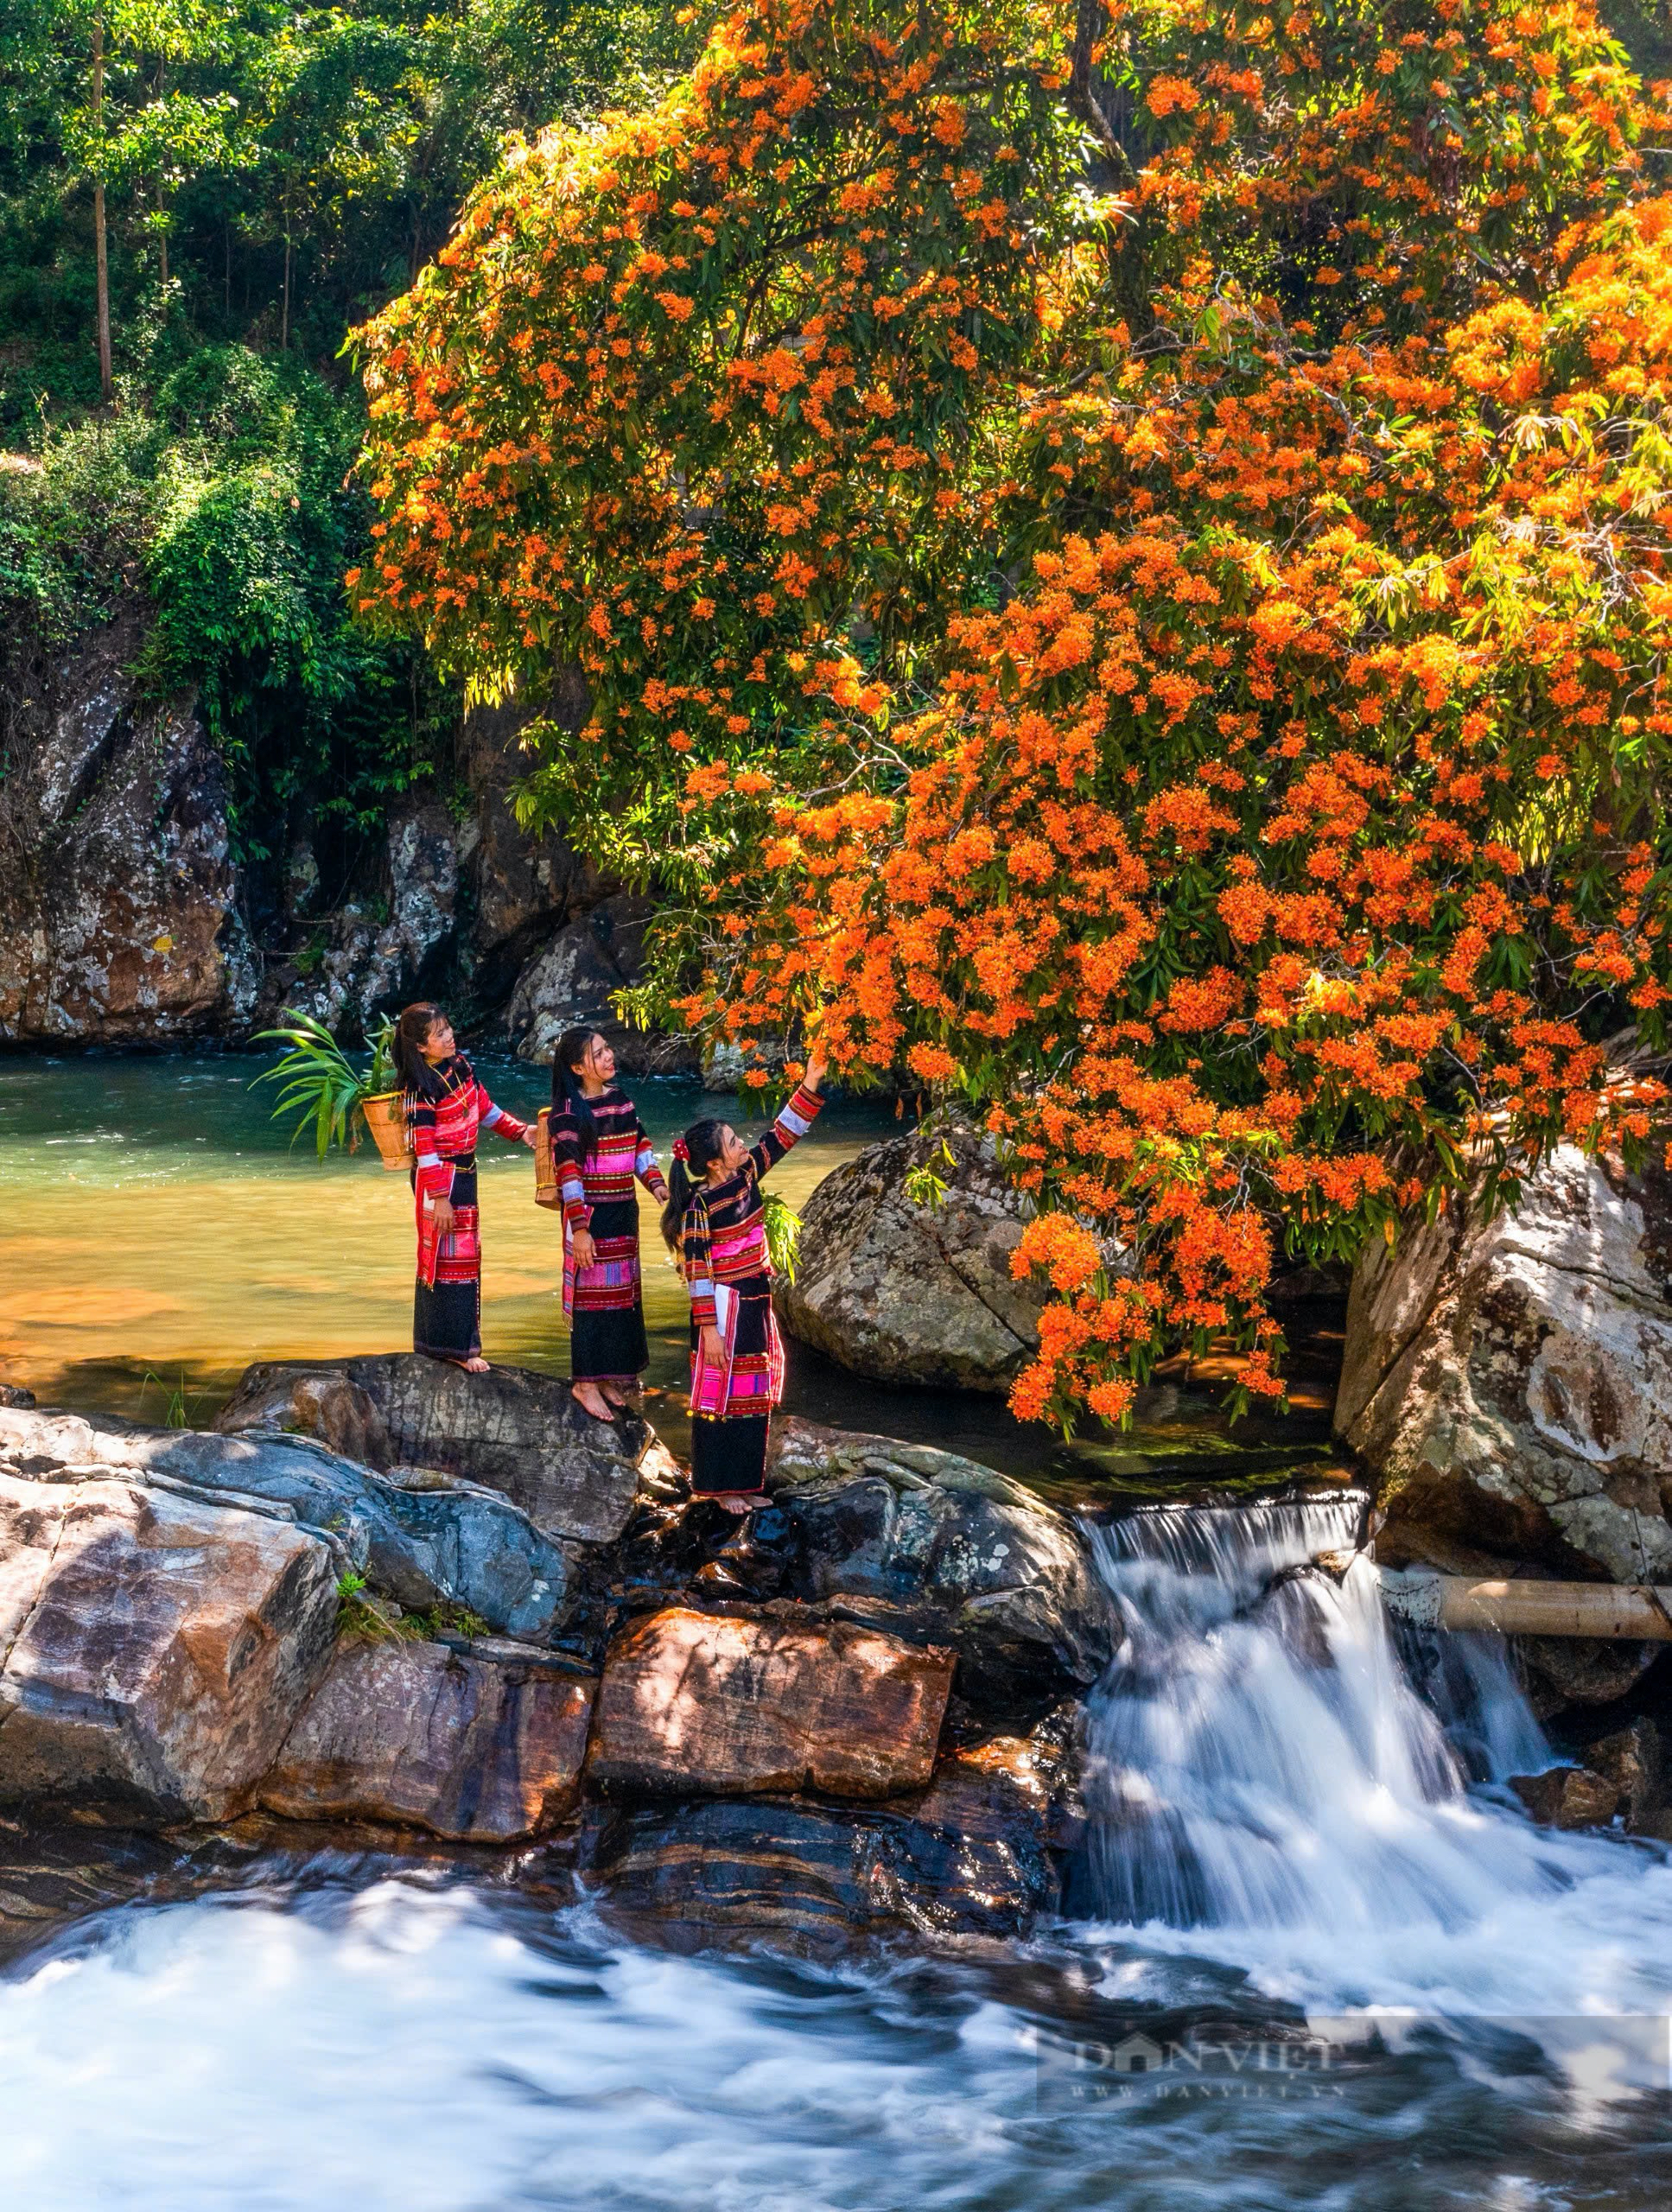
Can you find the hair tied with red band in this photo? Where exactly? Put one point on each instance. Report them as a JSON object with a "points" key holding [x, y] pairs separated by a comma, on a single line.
{"points": [[681, 1150]]}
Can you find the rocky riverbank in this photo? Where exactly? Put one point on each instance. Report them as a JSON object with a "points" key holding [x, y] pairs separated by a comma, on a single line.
{"points": [[455, 1611], [129, 916], [388, 1597], [386, 1592]]}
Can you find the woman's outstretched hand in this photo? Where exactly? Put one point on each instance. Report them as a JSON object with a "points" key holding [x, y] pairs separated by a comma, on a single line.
{"points": [[817, 1068], [531, 1137]]}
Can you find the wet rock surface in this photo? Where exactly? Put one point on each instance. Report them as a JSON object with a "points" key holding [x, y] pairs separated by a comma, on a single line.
{"points": [[1510, 1382], [1567, 1797], [154, 1649], [478, 1750], [510, 1430], [911, 1293]]}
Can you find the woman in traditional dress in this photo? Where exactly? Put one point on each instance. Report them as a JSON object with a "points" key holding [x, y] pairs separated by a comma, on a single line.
{"points": [[716, 1221], [447, 1106], [598, 1148]]}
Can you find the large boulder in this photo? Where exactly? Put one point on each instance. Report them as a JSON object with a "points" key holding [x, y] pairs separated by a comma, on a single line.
{"points": [[916, 1293], [510, 1430], [1510, 1382], [118, 921], [421, 1736], [157, 1648], [573, 980], [727, 1706], [459, 1544], [936, 1548]]}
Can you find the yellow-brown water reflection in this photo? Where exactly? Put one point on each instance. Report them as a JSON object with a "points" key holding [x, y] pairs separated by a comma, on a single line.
{"points": [[158, 1226], [158, 1235]]}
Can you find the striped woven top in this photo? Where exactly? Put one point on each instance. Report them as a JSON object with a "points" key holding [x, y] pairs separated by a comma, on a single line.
{"points": [[724, 1236]]}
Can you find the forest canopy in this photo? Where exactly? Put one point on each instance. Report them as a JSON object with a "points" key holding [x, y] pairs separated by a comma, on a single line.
{"points": [[1120, 557], [252, 179]]}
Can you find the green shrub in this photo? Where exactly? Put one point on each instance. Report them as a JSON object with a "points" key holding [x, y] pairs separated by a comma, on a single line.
{"points": [[224, 500]]}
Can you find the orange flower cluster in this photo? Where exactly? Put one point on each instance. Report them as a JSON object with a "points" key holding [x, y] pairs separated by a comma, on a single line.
{"points": [[1186, 679]]}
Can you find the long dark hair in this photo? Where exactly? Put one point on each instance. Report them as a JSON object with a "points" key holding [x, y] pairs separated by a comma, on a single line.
{"points": [[412, 1072], [567, 1095], [702, 1143]]}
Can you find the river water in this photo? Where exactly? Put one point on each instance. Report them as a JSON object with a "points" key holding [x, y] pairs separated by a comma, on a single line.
{"points": [[1349, 1973], [161, 1233]]}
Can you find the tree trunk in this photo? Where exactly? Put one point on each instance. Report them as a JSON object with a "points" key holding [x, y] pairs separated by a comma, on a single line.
{"points": [[107, 381], [284, 312], [163, 198]]}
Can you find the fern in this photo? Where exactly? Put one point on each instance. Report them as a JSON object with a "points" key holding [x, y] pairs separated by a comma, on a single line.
{"points": [[783, 1228]]}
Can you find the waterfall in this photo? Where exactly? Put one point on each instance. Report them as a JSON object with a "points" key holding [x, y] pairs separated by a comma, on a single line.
{"points": [[1258, 1759]]}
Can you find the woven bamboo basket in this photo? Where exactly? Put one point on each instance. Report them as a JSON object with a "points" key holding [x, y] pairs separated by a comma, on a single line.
{"points": [[386, 1119], [546, 1192]]}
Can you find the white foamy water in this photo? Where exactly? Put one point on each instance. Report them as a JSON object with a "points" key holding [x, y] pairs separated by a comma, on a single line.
{"points": [[1281, 1832], [406, 2049], [1268, 1789]]}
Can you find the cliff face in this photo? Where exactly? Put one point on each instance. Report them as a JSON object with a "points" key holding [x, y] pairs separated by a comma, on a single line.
{"points": [[118, 921], [124, 919]]}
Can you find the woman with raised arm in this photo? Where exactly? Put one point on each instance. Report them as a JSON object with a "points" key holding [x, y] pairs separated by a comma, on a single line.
{"points": [[599, 1147], [446, 1106], [715, 1224]]}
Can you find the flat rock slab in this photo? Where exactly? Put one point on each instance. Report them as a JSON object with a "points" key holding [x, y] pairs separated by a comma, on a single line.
{"points": [[728, 1707], [510, 1430], [154, 1650], [419, 1735]]}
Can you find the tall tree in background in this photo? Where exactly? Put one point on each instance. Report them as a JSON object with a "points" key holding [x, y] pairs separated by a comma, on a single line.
{"points": [[129, 126], [265, 171], [1120, 557]]}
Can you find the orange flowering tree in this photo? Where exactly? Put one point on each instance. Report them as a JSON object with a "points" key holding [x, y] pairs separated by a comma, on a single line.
{"points": [[1118, 554]]}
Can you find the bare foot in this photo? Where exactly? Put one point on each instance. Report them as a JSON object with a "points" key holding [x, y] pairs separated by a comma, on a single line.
{"points": [[738, 1501], [588, 1394], [477, 1365], [617, 1393]]}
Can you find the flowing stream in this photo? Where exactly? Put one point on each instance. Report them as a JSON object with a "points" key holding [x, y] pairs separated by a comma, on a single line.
{"points": [[1357, 1976]]}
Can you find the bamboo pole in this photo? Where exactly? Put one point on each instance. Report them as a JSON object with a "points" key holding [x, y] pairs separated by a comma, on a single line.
{"points": [[1631, 1612]]}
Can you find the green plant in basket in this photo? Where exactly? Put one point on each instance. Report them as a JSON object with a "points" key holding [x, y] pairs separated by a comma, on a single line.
{"points": [[783, 1231], [322, 1088]]}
